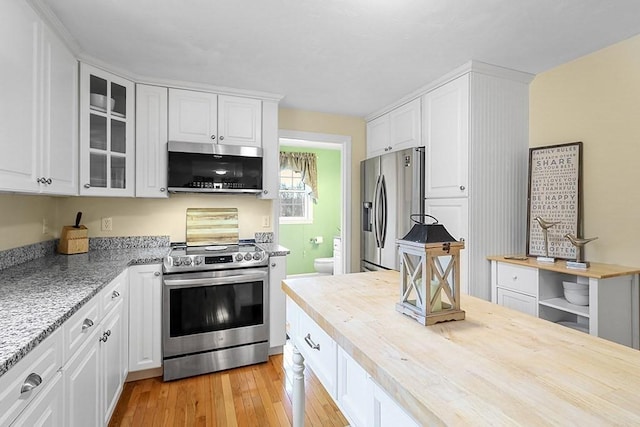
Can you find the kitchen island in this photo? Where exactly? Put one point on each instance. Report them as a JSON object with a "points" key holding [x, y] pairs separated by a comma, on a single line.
{"points": [[496, 367]]}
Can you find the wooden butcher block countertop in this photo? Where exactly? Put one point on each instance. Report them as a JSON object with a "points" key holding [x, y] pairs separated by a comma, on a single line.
{"points": [[496, 367]]}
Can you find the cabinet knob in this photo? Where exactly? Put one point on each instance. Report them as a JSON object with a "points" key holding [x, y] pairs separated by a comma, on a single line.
{"points": [[49, 181], [162, 190], [462, 187], [40, 180], [32, 381], [157, 273], [273, 264], [265, 191], [115, 294], [87, 186], [515, 277], [213, 137], [221, 138]]}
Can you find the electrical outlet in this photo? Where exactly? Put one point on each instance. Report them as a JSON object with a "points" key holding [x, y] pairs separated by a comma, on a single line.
{"points": [[266, 223], [107, 224]]}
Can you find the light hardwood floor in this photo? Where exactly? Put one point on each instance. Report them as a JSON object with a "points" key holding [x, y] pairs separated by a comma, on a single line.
{"points": [[256, 395]]}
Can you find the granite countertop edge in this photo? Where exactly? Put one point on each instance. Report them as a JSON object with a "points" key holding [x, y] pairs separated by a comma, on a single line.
{"points": [[24, 293], [274, 249]]}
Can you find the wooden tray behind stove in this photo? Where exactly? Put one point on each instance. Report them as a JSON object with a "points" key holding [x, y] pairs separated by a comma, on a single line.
{"points": [[212, 226]]}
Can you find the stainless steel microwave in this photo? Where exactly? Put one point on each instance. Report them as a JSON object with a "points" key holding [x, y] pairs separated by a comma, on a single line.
{"points": [[214, 168]]}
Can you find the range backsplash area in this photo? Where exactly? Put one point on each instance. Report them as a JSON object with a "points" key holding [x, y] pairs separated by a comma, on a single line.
{"points": [[24, 218]]}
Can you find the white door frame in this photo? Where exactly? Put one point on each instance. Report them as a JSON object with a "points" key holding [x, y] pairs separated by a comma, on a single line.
{"points": [[326, 141]]}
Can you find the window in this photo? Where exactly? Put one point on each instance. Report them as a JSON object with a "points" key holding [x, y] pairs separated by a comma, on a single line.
{"points": [[295, 199]]}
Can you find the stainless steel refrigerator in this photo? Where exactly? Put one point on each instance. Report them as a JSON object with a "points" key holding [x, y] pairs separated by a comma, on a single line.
{"points": [[392, 190]]}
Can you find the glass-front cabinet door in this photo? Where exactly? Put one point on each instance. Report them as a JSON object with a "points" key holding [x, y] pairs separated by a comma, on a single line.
{"points": [[106, 134]]}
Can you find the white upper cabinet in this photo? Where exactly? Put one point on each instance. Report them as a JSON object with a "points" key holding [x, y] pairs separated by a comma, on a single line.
{"points": [[151, 141], [378, 136], [207, 117], [38, 137], [193, 116], [446, 124], [107, 157], [396, 130], [239, 121], [59, 159]]}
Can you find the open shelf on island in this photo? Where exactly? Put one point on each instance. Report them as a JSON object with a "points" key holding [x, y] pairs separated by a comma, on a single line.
{"points": [[564, 305]]}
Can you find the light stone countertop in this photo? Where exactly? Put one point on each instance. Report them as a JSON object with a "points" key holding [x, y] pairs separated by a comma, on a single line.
{"points": [[274, 249], [496, 367], [36, 297]]}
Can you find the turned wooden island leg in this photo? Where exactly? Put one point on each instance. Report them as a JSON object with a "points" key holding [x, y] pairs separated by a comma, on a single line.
{"points": [[298, 388]]}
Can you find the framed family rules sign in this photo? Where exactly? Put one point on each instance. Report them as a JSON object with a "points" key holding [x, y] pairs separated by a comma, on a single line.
{"points": [[554, 199]]}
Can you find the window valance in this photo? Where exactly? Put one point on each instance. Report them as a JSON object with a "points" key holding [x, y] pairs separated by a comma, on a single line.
{"points": [[306, 165]]}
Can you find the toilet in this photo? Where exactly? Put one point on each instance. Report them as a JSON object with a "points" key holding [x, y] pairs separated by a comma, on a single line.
{"points": [[323, 265]]}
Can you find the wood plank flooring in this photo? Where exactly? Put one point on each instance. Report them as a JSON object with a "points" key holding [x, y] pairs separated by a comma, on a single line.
{"points": [[256, 395]]}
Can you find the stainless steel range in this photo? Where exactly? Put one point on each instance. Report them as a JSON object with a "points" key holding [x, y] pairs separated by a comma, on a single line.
{"points": [[215, 309]]}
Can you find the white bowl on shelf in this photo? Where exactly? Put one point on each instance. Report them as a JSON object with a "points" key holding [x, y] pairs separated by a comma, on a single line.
{"points": [[100, 101], [576, 293]]}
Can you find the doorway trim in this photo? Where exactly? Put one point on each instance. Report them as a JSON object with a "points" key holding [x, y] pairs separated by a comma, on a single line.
{"points": [[325, 140]]}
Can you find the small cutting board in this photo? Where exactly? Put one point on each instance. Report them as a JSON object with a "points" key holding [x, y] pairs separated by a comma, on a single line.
{"points": [[212, 226]]}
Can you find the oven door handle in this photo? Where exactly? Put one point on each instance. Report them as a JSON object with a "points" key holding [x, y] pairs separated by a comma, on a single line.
{"points": [[224, 280]]}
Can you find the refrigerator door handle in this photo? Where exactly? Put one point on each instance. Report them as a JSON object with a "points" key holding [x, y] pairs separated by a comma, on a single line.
{"points": [[383, 204], [376, 212]]}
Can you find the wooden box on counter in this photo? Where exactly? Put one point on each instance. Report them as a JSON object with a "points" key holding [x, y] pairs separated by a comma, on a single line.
{"points": [[74, 240]]}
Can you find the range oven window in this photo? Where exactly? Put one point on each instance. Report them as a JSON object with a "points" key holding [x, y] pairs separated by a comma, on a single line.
{"points": [[196, 170], [213, 308]]}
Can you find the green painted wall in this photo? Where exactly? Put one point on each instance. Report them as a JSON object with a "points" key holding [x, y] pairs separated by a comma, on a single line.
{"points": [[326, 215]]}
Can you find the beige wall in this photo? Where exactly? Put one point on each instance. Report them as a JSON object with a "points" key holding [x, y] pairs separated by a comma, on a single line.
{"points": [[354, 127], [21, 219], [154, 217], [596, 100]]}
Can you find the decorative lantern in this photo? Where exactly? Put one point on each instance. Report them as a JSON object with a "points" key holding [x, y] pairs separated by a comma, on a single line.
{"points": [[430, 273]]}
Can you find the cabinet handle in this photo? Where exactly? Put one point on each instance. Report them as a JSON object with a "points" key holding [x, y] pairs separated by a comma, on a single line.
{"points": [[103, 338], [87, 186], [462, 187], [157, 273], [49, 181], [213, 137], [40, 180], [273, 264], [265, 191], [32, 381], [221, 138], [515, 277], [115, 294], [310, 343], [87, 324], [162, 190], [108, 332]]}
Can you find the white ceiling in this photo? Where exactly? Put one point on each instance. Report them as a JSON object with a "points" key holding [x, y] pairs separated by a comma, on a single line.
{"points": [[340, 56]]}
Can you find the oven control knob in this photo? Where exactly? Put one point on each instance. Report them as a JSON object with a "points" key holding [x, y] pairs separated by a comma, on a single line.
{"points": [[257, 256], [239, 257], [197, 260], [247, 256], [177, 262], [186, 261]]}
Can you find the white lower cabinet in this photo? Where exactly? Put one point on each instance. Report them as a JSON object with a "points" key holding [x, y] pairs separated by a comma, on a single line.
{"points": [[94, 375], [81, 384], [145, 321], [354, 398], [361, 400], [46, 408], [536, 288], [385, 412], [277, 306]]}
